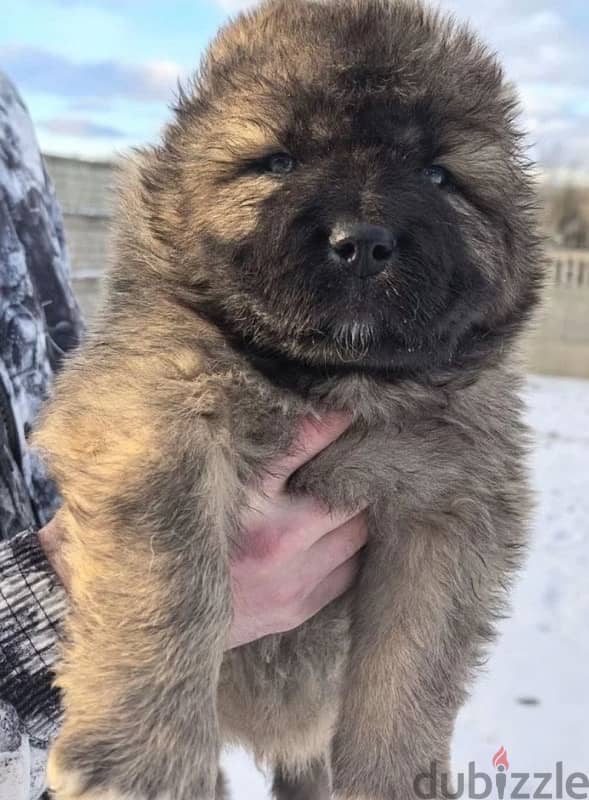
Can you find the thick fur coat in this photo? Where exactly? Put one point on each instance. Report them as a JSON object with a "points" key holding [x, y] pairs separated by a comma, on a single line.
{"points": [[226, 318]]}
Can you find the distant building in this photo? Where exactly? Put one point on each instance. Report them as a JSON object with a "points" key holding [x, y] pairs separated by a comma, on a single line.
{"points": [[86, 193], [559, 344]]}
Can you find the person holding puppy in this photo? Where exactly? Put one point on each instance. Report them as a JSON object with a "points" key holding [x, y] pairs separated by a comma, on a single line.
{"points": [[273, 588]]}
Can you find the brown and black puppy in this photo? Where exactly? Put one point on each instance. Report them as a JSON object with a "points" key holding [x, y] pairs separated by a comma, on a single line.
{"points": [[338, 217]]}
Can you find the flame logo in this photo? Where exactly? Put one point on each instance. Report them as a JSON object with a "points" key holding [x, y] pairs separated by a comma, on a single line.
{"points": [[500, 758]]}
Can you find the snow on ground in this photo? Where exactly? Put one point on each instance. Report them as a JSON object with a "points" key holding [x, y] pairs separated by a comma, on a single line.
{"points": [[533, 697]]}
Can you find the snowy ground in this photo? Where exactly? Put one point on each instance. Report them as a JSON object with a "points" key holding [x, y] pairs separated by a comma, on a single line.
{"points": [[533, 698]]}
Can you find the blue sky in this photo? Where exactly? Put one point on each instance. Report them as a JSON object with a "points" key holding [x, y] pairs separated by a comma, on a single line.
{"points": [[98, 75]]}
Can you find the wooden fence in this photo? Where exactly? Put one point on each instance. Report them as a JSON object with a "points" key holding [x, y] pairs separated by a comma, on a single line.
{"points": [[559, 343]]}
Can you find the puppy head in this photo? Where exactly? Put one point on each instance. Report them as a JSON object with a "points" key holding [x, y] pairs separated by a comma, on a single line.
{"points": [[343, 184]]}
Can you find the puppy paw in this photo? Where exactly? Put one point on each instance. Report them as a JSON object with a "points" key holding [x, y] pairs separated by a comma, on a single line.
{"points": [[67, 784], [351, 797]]}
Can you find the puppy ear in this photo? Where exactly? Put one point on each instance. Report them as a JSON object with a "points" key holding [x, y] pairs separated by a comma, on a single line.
{"points": [[509, 100], [240, 39], [147, 207]]}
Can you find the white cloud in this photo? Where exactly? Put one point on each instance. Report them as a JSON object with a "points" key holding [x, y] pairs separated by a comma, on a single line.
{"points": [[49, 72], [84, 128], [232, 6], [545, 52]]}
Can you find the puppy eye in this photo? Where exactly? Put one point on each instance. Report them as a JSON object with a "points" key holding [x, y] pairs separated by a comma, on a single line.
{"points": [[280, 164], [439, 176]]}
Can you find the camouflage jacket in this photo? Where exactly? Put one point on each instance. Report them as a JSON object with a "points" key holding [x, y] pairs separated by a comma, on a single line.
{"points": [[39, 321]]}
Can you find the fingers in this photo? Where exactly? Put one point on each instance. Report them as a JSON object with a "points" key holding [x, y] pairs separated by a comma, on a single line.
{"points": [[304, 523], [335, 584], [335, 548], [313, 436], [333, 563], [275, 590], [51, 539]]}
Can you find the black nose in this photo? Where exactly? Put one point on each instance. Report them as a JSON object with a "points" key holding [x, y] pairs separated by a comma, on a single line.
{"points": [[365, 249]]}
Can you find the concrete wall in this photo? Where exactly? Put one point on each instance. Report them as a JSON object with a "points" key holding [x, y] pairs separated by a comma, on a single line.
{"points": [[559, 344]]}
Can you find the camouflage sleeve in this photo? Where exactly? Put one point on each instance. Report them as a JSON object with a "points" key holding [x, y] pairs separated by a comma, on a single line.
{"points": [[31, 605], [39, 321], [39, 317]]}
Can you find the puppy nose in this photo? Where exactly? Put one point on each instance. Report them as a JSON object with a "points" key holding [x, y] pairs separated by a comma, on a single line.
{"points": [[365, 249]]}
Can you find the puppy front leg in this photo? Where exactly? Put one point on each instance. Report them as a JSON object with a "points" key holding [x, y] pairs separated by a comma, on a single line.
{"points": [[145, 641], [423, 612]]}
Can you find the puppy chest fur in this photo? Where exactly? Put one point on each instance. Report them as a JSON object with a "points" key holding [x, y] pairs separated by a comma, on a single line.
{"points": [[437, 480]]}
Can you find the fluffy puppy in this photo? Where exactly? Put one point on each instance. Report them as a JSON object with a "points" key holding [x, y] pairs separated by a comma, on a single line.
{"points": [[338, 217]]}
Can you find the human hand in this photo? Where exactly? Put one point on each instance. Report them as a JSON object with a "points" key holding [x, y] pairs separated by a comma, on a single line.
{"points": [[295, 557], [51, 540]]}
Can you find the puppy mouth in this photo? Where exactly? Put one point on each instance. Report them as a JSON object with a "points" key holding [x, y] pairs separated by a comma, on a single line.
{"points": [[376, 321], [322, 312], [353, 339]]}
